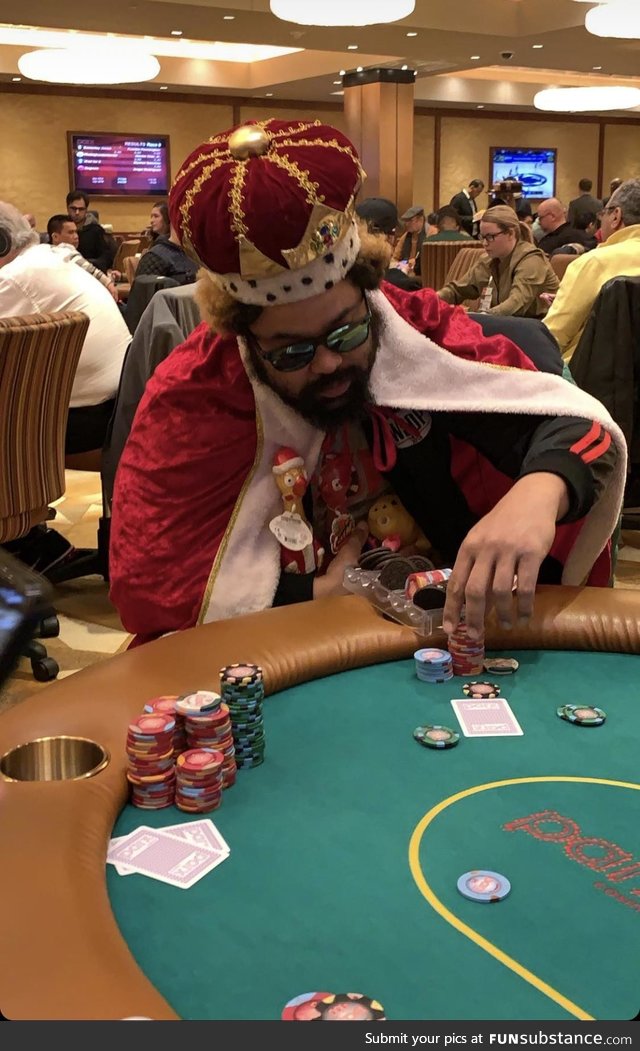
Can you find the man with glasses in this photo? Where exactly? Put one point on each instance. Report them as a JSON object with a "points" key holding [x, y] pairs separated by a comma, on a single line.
{"points": [[552, 216], [619, 255], [302, 348], [93, 242]]}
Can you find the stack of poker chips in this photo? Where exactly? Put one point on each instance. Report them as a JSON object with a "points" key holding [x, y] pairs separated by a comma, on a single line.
{"points": [[150, 767], [167, 706], [242, 691], [467, 654], [433, 665], [208, 725], [199, 780]]}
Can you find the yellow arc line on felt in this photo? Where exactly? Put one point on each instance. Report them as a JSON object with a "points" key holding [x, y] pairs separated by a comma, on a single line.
{"points": [[483, 943]]}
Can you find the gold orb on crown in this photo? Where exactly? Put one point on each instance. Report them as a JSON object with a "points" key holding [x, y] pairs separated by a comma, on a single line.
{"points": [[248, 141]]}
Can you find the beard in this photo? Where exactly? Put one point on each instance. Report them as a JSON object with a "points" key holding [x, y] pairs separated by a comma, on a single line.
{"points": [[320, 411]]}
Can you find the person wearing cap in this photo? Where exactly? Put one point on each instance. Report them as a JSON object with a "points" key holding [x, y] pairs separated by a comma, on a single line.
{"points": [[407, 249], [303, 346], [381, 216]]}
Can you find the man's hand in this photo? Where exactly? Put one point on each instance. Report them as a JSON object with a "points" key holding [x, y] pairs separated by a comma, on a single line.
{"points": [[511, 540], [113, 290], [331, 582]]}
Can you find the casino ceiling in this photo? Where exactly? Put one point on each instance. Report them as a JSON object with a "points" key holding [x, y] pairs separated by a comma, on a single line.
{"points": [[454, 46]]}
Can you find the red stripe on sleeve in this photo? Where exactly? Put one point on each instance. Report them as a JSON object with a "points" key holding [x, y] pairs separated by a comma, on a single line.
{"points": [[599, 449], [592, 436]]}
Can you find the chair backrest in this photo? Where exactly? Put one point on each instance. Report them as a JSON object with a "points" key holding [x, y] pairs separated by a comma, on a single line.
{"points": [[125, 250], [142, 291], [559, 263], [437, 258], [38, 360], [129, 267]]}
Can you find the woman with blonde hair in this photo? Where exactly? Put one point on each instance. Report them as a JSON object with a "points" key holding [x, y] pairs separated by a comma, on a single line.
{"points": [[510, 275]]}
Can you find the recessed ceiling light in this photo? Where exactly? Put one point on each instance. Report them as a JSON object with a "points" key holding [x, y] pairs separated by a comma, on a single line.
{"points": [[597, 67], [16, 78], [337, 82], [343, 72], [537, 47], [474, 58], [479, 107], [163, 87], [405, 66], [268, 94], [176, 32], [359, 69], [352, 47], [228, 18], [412, 34]]}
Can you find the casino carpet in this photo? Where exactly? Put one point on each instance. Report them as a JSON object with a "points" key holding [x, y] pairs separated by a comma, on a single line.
{"points": [[90, 629]]}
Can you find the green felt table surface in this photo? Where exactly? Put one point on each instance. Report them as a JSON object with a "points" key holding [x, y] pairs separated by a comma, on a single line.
{"points": [[342, 874]]}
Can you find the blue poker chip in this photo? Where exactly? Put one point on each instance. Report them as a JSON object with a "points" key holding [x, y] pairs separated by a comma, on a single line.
{"points": [[430, 656], [484, 885]]}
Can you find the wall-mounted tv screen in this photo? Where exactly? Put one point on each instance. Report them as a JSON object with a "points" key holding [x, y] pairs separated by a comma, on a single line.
{"points": [[534, 168], [119, 165]]}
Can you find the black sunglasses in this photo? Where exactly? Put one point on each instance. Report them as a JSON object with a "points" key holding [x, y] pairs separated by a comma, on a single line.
{"points": [[296, 355]]}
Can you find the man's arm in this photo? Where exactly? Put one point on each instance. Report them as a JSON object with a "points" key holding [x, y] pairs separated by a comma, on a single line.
{"points": [[569, 312], [561, 465]]}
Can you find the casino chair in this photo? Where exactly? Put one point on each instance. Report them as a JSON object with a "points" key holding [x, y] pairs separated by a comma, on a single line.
{"points": [[438, 258], [560, 263], [142, 291], [38, 359], [606, 363]]}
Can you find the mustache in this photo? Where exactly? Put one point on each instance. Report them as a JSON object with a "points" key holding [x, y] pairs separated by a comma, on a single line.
{"points": [[349, 372]]}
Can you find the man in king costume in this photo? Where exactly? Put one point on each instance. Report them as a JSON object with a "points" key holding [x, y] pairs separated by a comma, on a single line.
{"points": [[508, 471]]}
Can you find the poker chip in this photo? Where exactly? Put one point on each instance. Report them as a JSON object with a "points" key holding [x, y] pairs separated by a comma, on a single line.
{"points": [[150, 758], [484, 885], [582, 714], [201, 701], [501, 665], [349, 1007], [433, 665], [481, 689], [242, 691], [436, 736], [302, 1008], [199, 780], [241, 674], [467, 654]]}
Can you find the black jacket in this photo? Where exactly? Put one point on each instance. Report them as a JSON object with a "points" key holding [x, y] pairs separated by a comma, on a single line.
{"points": [[583, 205], [564, 235], [95, 246], [464, 207], [606, 362], [166, 259]]}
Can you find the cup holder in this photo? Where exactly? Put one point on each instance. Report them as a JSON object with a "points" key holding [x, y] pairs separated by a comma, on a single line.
{"points": [[54, 759]]}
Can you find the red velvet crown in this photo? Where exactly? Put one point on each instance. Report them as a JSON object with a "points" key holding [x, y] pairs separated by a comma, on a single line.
{"points": [[266, 199]]}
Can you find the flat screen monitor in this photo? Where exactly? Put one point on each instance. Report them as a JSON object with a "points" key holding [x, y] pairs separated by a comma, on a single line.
{"points": [[534, 168], [119, 165]]}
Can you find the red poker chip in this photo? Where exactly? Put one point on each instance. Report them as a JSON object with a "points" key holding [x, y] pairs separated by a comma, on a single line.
{"points": [[154, 723], [200, 759]]}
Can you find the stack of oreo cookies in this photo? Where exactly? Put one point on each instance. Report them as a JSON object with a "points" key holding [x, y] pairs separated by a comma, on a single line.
{"points": [[393, 569]]}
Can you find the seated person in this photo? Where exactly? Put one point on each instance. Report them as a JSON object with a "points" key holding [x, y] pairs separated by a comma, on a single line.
{"points": [[36, 280], [370, 387], [512, 269], [408, 245], [63, 237], [166, 258], [93, 242], [381, 216], [552, 216], [449, 229], [159, 225], [587, 224], [618, 256]]}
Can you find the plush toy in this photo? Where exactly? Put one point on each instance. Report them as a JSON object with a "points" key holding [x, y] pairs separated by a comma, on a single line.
{"points": [[392, 525]]}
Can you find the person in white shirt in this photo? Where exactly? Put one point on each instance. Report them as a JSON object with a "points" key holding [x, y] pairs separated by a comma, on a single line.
{"points": [[35, 280], [62, 233]]}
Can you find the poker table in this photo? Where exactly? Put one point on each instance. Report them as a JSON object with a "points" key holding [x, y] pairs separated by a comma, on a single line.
{"points": [[347, 843]]}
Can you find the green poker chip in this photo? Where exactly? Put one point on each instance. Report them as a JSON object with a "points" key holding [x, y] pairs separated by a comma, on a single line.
{"points": [[582, 714], [436, 736]]}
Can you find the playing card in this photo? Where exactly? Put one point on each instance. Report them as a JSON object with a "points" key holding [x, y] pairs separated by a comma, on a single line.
{"points": [[486, 718], [165, 857], [202, 833]]}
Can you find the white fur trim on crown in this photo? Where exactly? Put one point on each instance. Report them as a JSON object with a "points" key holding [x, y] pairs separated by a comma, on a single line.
{"points": [[292, 286], [282, 468]]}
